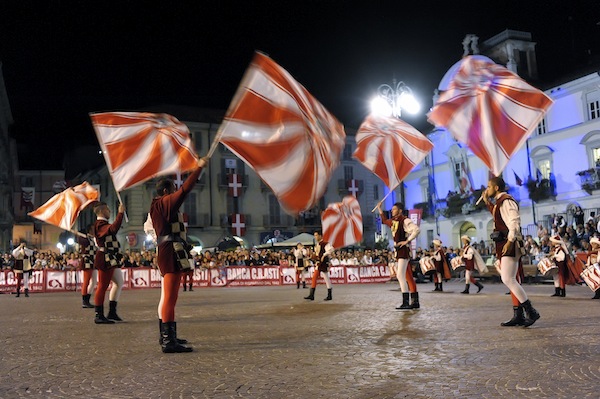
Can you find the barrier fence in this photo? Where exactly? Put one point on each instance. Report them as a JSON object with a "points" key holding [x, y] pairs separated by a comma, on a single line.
{"points": [[231, 276]]}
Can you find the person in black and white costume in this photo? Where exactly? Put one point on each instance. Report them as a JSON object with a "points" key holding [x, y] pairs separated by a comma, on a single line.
{"points": [[23, 256], [301, 255]]}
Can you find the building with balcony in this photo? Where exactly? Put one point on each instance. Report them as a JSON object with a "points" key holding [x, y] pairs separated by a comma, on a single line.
{"points": [[557, 168]]}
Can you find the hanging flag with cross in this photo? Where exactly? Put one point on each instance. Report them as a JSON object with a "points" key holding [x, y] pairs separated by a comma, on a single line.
{"points": [[238, 224], [235, 185], [353, 187]]}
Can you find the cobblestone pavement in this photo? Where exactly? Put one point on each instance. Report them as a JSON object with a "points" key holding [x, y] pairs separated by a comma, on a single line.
{"points": [[268, 342]]}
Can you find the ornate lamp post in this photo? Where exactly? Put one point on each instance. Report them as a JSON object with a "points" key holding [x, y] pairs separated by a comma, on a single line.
{"points": [[390, 101]]}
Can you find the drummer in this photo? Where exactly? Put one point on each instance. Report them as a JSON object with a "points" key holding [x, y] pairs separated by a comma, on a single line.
{"points": [[468, 256], [566, 268], [441, 265], [594, 259]]}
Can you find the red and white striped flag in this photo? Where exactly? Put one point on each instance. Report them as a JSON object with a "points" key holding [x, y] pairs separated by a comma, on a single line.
{"points": [[139, 146], [63, 208], [281, 131], [390, 148], [342, 223], [490, 109]]}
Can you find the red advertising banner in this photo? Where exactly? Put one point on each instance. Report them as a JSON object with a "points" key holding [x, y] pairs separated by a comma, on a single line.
{"points": [[247, 276]]}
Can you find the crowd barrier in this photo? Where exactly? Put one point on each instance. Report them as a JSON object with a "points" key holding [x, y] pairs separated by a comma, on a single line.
{"points": [[231, 276]]}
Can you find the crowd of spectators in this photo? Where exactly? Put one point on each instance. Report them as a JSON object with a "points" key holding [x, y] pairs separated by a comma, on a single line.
{"points": [[576, 236]]}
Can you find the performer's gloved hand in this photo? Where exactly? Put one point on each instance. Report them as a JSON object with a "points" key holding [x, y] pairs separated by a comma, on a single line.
{"points": [[508, 247]]}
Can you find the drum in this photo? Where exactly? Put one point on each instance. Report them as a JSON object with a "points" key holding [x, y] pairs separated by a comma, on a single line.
{"points": [[591, 276], [547, 268], [457, 264], [427, 265]]}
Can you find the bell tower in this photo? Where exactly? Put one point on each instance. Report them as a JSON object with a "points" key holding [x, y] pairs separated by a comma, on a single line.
{"points": [[516, 50]]}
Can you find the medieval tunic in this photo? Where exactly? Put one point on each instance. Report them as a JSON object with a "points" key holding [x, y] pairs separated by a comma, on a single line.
{"points": [[87, 251], [441, 264], [164, 212], [506, 221], [102, 231], [322, 251], [468, 257], [403, 229], [22, 259]]}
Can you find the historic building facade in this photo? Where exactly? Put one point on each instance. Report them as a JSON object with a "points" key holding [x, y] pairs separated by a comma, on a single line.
{"points": [[555, 170]]}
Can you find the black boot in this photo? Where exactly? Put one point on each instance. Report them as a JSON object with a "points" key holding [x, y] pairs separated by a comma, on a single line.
{"points": [[298, 285], [328, 297], [531, 315], [311, 296], [27, 292], [184, 287], [518, 318], [556, 292], [563, 292], [479, 286], [100, 319], [466, 291], [437, 287], [405, 305], [179, 340], [191, 287], [441, 287], [596, 294], [112, 311], [169, 344], [18, 290], [414, 296], [304, 284], [86, 301]]}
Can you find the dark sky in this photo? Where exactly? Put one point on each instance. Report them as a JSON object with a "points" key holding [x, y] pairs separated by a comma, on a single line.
{"points": [[64, 59]]}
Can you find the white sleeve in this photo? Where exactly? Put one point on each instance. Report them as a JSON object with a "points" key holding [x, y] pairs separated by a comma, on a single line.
{"points": [[510, 215], [468, 253], [328, 249], [559, 256], [16, 252], [411, 229], [28, 252], [437, 256]]}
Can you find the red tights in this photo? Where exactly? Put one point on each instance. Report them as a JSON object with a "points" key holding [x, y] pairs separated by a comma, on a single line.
{"points": [[410, 280], [87, 276], [170, 294], [104, 277]]}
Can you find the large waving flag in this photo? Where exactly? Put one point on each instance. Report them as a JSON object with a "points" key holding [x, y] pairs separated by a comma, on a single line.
{"points": [[62, 209], [342, 223], [490, 109], [139, 146], [390, 148], [281, 131]]}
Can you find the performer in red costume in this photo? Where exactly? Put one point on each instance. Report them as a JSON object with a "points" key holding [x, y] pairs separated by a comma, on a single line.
{"points": [[594, 258], [468, 256], [173, 253], [442, 269], [568, 271], [403, 232], [107, 258], [508, 239], [323, 250]]}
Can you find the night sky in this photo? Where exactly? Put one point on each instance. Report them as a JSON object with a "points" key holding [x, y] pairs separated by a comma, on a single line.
{"points": [[62, 60]]}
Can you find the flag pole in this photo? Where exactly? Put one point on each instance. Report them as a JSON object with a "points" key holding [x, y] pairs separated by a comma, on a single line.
{"points": [[121, 202], [383, 199]]}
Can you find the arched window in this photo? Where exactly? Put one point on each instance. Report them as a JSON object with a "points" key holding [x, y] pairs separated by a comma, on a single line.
{"points": [[542, 158], [591, 141]]}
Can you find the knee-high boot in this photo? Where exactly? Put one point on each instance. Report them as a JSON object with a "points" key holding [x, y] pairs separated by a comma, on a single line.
{"points": [[531, 315], [112, 311], [311, 296]]}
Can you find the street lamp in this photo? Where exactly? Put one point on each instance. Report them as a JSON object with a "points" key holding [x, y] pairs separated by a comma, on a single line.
{"points": [[391, 100]]}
